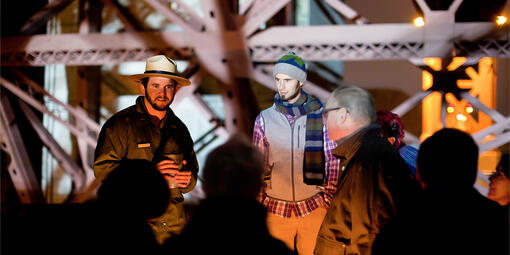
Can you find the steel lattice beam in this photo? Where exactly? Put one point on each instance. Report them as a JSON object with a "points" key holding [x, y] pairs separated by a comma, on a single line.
{"points": [[92, 49], [380, 41], [339, 42]]}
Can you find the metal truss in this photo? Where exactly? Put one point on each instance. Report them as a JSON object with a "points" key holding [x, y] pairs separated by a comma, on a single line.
{"points": [[21, 172], [227, 46], [91, 49], [342, 42], [487, 139], [75, 119], [380, 41]]}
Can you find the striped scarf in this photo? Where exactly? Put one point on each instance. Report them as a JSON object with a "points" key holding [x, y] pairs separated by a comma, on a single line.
{"points": [[313, 165]]}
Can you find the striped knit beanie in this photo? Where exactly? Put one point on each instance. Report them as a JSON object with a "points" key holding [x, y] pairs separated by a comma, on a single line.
{"points": [[291, 65]]}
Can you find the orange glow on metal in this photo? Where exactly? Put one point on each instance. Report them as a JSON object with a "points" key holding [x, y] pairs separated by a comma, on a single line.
{"points": [[419, 22], [501, 20], [469, 108], [481, 83]]}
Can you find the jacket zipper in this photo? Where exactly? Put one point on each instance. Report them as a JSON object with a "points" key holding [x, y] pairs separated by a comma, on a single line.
{"points": [[292, 158], [298, 129]]}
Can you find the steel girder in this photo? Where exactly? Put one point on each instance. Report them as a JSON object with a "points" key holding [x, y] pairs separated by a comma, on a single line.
{"points": [[19, 167], [91, 49], [335, 42], [79, 124]]}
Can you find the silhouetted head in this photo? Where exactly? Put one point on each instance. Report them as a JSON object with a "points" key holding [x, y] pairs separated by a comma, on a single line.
{"points": [[136, 188], [234, 169], [448, 160]]}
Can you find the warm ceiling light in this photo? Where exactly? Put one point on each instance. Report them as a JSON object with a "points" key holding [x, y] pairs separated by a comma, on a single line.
{"points": [[419, 22], [501, 20], [469, 109]]}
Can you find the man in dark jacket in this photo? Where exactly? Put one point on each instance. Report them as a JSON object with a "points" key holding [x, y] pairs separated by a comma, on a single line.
{"points": [[374, 181], [142, 130]]}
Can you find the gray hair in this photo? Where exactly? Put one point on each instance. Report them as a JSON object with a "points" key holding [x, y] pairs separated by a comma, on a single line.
{"points": [[357, 101]]}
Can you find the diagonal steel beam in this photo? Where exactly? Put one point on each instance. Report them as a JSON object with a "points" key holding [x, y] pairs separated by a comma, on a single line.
{"points": [[347, 11], [493, 114], [496, 142], [259, 13], [41, 17], [410, 103], [42, 108], [409, 138], [76, 113], [170, 15], [20, 170], [192, 18], [495, 129], [245, 6], [124, 15], [70, 167]]}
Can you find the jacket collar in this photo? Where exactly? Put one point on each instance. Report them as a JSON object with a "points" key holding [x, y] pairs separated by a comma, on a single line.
{"points": [[350, 144]]}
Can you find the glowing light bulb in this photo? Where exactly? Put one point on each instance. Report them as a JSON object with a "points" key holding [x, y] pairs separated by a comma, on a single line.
{"points": [[501, 20], [419, 22], [469, 109], [450, 109]]}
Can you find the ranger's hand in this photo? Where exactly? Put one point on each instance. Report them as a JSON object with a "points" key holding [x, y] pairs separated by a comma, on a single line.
{"points": [[170, 171]]}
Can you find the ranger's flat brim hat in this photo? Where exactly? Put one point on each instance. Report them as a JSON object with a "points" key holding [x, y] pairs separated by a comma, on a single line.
{"points": [[161, 66]]}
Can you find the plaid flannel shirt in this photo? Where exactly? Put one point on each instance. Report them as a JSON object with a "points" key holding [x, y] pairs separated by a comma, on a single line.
{"points": [[301, 208]]}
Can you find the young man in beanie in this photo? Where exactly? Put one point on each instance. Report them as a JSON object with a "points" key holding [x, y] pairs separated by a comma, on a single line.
{"points": [[301, 173], [140, 131]]}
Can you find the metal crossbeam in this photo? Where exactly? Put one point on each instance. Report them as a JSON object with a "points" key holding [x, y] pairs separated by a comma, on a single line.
{"points": [[92, 49], [41, 17], [70, 167], [124, 15], [172, 16], [378, 41], [85, 129], [333, 42], [347, 11], [495, 129], [495, 143], [410, 103], [19, 168], [259, 13]]}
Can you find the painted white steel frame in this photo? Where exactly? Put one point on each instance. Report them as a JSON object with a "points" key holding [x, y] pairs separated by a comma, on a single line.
{"points": [[206, 40], [334, 42], [85, 129], [22, 175]]}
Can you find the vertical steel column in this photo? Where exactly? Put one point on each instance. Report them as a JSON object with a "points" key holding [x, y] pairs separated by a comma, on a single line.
{"points": [[238, 95], [89, 77]]}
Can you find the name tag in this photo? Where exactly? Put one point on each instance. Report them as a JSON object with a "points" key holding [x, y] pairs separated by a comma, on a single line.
{"points": [[144, 145]]}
